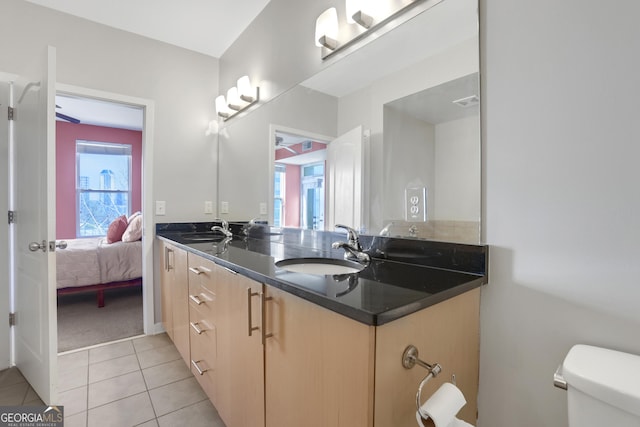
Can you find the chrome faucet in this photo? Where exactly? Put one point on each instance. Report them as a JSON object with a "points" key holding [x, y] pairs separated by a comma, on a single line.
{"points": [[248, 226], [223, 228], [352, 248]]}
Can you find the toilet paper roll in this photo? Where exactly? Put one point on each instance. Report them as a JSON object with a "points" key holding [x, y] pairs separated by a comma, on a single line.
{"points": [[443, 405]]}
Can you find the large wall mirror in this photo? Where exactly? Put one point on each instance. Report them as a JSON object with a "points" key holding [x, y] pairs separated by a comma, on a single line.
{"points": [[385, 139]]}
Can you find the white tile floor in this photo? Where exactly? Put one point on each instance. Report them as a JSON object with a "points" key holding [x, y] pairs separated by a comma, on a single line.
{"points": [[137, 382]]}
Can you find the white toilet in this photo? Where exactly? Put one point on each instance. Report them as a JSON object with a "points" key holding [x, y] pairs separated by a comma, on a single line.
{"points": [[603, 387]]}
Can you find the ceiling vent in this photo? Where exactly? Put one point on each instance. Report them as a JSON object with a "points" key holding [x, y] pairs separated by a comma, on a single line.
{"points": [[469, 101], [307, 145]]}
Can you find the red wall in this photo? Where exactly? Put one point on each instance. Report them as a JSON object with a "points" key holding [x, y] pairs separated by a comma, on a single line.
{"points": [[66, 136]]}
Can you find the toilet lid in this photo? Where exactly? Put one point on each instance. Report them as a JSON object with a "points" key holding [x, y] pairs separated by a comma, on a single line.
{"points": [[607, 375]]}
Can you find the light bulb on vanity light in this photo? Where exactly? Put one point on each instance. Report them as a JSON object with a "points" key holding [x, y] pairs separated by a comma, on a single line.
{"points": [[327, 29], [233, 99], [221, 107], [245, 90], [355, 13]]}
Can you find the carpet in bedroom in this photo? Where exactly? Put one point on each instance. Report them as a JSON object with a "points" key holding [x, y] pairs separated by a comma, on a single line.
{"points": [[81, 323]]}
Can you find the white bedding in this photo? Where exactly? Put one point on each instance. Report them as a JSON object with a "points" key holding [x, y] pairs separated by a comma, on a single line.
{"points": [[93, 261]]}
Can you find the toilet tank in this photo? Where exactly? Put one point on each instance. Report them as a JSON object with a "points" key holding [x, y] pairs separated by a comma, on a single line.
{"points": [[603, 387]]}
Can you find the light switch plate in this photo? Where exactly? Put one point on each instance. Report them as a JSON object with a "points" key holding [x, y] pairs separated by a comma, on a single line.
{"points": [[263, 208], [208, 207], [224, 207], [161, 207]]}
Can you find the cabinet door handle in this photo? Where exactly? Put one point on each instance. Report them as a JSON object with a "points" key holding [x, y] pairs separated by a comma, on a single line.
{"points": [[168, 258], [250, 321], [263, 307], [196, 328], [195, 270], [195, 365], [196, 299]]}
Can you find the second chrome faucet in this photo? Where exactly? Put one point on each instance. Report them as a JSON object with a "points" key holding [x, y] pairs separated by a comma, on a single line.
{"points": [[353, 249]]}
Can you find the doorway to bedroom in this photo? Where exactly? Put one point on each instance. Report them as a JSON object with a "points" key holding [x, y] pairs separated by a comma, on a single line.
{"points": [[99, 145]]}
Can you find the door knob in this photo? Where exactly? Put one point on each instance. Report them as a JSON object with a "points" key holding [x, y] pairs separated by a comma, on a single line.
{"points": [[34, 246], [60, 244]]}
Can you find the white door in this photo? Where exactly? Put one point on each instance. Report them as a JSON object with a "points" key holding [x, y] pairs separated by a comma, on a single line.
{"points": [[4, 230], [345, 179], [35, 331]]}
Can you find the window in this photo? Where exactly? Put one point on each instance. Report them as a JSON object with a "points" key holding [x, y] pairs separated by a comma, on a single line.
{"points": [[312, 197], [278, 195], [103, 185]]}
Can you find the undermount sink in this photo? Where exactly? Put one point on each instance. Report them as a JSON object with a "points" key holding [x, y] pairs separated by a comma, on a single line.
{"points": [[205, 236], [322, 266]]}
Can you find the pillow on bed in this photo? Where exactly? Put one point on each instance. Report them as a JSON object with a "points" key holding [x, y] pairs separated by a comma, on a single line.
{"points": [[134, 230], [116, 229], [133, 215]]}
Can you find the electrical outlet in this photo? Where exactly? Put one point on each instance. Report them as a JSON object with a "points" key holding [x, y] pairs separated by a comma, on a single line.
{"points": [[161, 207], [208, 207], [263, 208], [415, 204], [224, 207]]}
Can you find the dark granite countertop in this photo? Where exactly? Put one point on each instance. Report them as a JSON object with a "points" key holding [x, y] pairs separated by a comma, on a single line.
{"points": [[402, 278]]}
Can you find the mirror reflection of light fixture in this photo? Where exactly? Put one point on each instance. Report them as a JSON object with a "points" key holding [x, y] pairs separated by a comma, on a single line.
{"points": [[221, 107], [355, 13], [233, 99], [327, 29], [245, 90], [238, 98]]}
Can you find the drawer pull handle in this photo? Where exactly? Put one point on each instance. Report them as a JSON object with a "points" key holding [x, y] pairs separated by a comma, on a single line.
{"points": [[195, 270], [196, 299], [195, 365], [196, 328], [250, 321]]}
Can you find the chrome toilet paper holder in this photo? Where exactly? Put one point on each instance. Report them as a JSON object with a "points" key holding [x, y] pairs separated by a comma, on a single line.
{"points": [[410, 358]]}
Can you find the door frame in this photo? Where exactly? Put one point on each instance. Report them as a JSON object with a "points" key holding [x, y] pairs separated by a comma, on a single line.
{"points": [[147, 106], [273, 130]]}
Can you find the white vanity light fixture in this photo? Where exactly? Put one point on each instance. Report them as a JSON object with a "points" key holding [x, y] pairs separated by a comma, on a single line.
{"points": [[327, 29], [233, 99], [221, 107], [238, 98], [356, 14], [247, 92], [327, 23]]}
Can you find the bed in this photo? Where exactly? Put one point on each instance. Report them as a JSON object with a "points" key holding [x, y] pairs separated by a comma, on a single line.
{"points": [[92, 264]]}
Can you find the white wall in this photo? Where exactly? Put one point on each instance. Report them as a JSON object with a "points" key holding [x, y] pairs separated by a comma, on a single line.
{"points": [[181, 83], [409, 160], [560, 85], [457, 189]]}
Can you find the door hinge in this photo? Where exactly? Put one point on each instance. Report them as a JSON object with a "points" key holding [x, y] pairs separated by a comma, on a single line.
{"points": [[11, 217], [11, 112], [12, 319]]}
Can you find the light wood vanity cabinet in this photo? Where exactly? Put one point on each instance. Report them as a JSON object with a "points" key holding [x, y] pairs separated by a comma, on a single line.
{"points": [[319, 365], [268, 358], [240, 352], [174, 284]]}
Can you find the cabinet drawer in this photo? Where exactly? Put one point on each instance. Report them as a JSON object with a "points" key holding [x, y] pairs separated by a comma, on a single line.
{"points": [[203, 301], [202, 273], [203, 358]]}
